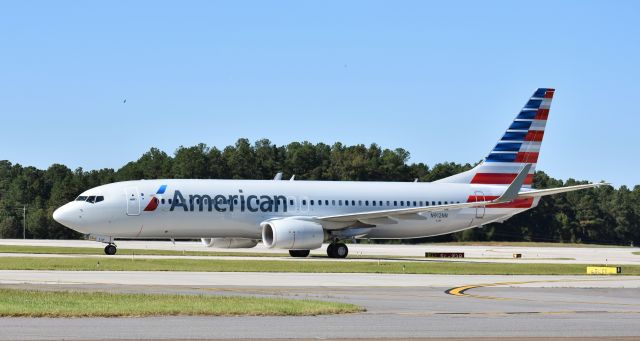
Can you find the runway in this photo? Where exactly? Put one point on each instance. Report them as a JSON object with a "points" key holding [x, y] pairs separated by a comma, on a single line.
{"points": [[398, 306], [583, 254]]}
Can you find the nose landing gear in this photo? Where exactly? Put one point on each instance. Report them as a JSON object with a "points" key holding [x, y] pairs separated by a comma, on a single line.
{"points": [[110, 249]]}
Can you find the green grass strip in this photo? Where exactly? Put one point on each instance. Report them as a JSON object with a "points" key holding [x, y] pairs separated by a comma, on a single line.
{"points": [[306, 266], [33, 303]]}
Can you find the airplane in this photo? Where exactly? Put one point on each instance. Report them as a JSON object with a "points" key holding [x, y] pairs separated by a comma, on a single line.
{"points": [[300, 216]]}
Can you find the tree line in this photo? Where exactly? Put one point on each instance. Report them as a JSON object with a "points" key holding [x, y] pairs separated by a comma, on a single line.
{"points": [[601, 215]]}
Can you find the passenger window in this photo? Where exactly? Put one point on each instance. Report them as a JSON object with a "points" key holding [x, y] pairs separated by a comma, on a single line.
{"points": [[353, 202], [319, 202], [388, 203], [311, 202], [421, 203], [426, 203], [99, 198], [359, 202], [304, 202], [433, 203], [373, 202], [366, 202], [446, 203], [401, 203], [170, 200], [395, 203], [346, 202], [380, 202], [162, 201], [414, 204], [439, 202], [291, 202], [333, 202], [326, 202]]}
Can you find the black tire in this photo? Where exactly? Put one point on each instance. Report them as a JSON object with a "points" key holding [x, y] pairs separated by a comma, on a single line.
{"points": [[341, 250], [331, 250], [299, 253], [110, 250]]}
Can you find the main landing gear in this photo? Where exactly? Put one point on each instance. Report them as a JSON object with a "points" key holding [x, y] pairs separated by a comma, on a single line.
{"points": [[337, 250], [110, 249]]}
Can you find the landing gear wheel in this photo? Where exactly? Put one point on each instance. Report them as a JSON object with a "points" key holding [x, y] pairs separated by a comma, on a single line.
{"points": [[299, 253], [337, 250], [341, 250], [331, 250], [110, 250]]}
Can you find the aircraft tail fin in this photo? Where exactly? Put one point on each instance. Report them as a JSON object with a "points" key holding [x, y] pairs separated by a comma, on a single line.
{"points": [[520, 145]]}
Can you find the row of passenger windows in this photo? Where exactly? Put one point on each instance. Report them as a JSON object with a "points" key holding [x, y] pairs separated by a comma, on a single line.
{"points": [[333, 202], [92, 198], [402, 203]]}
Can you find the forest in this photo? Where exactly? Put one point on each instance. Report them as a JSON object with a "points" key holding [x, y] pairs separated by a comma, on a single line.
{"points": [[603, 215]]}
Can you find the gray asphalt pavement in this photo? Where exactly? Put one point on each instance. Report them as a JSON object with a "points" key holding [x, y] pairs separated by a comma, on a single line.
{"points": [[392, 312]]}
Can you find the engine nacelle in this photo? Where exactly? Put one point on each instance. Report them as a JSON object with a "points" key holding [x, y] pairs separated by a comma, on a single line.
{"points": [[292, 234], [229, 243]]}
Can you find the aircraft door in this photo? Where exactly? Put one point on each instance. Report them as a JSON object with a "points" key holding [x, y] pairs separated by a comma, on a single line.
{"points": [[133, 201], [479, 210]]}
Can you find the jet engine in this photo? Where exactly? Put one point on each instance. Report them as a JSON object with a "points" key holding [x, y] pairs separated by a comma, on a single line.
{"points": [[292, 234], [229, 243]]}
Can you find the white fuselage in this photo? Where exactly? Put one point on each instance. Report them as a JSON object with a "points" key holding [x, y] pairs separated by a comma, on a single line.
{"points": [[235, 208]]}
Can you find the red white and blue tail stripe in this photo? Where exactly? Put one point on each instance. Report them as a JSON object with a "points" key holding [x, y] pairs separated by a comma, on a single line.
{"points": [[519, 145]]}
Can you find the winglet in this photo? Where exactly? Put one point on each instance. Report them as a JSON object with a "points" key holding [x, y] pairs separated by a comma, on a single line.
{"points": [[278, 176], [512, 191]]}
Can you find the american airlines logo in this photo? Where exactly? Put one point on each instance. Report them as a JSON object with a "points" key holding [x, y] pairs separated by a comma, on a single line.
{"points": [[155, 199], [229, 203]]}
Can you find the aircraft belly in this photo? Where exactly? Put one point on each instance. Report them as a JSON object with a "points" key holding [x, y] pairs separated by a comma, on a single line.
{"points": [[202, 225]]}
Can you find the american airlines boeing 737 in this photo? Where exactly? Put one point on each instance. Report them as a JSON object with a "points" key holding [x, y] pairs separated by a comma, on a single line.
{"points": [[300, 215]]}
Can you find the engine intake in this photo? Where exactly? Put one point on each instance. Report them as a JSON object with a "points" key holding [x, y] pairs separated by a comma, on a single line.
{"points": [[292, 234]]}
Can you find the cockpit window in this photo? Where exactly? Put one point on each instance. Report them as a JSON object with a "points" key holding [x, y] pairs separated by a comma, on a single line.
{"points": [[90, 199]]}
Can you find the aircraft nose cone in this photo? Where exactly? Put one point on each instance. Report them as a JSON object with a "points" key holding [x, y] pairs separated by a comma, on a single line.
{"points": [[64, 216]]}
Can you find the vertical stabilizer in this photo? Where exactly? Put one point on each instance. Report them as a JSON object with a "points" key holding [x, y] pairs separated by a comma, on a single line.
{"points": [[519, 145]]}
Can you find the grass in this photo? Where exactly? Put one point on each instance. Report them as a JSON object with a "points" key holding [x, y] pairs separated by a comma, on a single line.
{"points": [[306, 266], [34, 303], [636, 253], [99, 251]]}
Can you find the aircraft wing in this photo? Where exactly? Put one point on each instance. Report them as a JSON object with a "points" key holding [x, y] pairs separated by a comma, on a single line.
{"points": [[411, 213], [391, 216], [402, 213]]}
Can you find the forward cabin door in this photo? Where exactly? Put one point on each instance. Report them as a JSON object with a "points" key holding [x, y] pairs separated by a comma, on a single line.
{"points": [[479, 210], [133, 201]]}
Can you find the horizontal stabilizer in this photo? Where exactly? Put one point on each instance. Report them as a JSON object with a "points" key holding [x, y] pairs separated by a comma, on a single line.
{"points": [[550, 191]]}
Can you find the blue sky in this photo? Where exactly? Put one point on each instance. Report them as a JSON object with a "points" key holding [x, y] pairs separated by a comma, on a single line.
{"points": [[441, 79]]}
